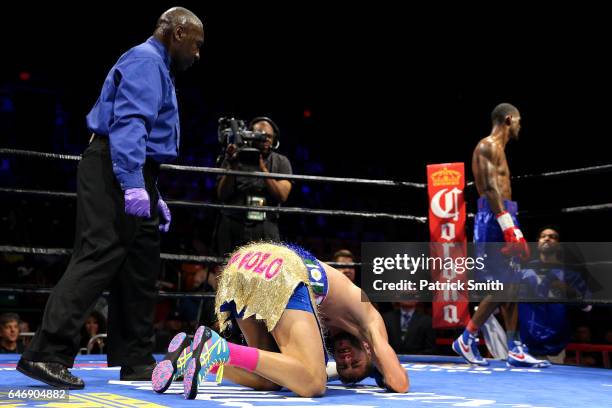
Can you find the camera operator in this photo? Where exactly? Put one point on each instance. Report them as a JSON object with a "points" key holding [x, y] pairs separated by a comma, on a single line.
{"points": [[236, 228]]}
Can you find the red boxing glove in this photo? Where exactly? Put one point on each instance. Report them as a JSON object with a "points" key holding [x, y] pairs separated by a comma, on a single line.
{"points": [[516, 243]]}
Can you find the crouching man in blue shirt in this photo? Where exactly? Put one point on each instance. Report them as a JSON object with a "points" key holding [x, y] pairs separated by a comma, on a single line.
{"points": [[135, 128]]}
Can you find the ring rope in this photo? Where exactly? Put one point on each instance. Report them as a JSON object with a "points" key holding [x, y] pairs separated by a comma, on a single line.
{"points": [[312, 211], [215, 170], [220, 171], [161, 293], [169, 257], [280, 210], [24, 289], [196, 258]]}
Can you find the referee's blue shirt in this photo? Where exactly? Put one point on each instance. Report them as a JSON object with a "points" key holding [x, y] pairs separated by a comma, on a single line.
{"points": [[137, 109]]}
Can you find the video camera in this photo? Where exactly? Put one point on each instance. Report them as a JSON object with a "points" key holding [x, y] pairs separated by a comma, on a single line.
{"points": [[235, 131]]}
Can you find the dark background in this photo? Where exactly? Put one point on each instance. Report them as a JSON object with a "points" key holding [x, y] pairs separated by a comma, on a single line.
{"points": [[389, 90]]}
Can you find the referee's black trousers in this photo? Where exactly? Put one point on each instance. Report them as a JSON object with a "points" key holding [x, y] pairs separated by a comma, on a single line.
{"points": [[112, 251]]}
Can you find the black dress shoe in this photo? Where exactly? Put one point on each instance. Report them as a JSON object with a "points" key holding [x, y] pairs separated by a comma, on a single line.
{"points": [[136, 373], [54, 374]]}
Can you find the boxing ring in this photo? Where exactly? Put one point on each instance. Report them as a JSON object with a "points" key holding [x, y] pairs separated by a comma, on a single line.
{"points": [[435, 380]]}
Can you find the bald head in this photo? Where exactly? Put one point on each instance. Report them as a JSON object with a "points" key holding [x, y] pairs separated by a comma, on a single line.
{"points": [[171, 18], [182, 33]]}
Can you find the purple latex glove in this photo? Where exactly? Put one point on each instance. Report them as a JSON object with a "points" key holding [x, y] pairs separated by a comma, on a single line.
{"points": [[137, 202], [164, 215]]}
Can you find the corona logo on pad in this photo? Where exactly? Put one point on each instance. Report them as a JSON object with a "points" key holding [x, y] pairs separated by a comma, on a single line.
{"points": [[446, 177]]}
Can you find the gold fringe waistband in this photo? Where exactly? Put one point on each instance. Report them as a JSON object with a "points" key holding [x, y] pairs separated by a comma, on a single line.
{"points": [[260, 278]]}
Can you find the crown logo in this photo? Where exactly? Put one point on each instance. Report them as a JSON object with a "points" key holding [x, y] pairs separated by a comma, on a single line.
{"points": [[446, 177]]}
